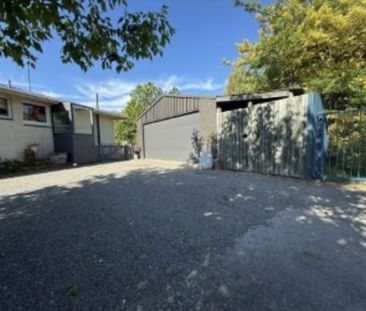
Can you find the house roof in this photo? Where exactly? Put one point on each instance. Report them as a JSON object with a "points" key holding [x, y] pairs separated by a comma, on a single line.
{"points": [[20, 92], [5, 89]]}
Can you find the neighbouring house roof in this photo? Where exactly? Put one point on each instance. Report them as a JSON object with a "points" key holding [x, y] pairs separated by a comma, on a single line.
{"points": [[5, 89], [110, 114]]}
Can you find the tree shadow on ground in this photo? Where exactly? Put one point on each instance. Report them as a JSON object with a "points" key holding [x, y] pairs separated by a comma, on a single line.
{"points": [[182, 239]]}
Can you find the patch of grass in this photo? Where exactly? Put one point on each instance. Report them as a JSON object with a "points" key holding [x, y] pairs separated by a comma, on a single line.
{"points": [[73, 290], [11, 166], [16, 166]]}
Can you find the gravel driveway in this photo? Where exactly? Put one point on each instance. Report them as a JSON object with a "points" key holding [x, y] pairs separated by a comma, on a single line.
{"points": [[149, 235]]}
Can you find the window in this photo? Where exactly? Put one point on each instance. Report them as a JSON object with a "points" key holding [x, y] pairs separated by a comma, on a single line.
{"points": [[61, 122], [34, 113], [4, 108], [83, 120]]}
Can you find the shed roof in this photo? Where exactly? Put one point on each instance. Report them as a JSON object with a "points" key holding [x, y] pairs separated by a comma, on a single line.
{"points": [[261, 96], [173, 96]]}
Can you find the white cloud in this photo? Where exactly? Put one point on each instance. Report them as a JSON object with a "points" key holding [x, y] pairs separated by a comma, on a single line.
{"points": [[60, 95], [185, 84], [115, 93], [21, 83], [205, 85]]}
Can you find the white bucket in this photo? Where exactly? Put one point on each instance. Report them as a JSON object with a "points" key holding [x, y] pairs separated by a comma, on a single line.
{"points": [[205, 160]]}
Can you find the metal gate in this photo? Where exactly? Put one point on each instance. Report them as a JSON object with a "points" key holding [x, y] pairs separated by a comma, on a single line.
{"points": [[344, 154], [267, 138], [114, 152]]}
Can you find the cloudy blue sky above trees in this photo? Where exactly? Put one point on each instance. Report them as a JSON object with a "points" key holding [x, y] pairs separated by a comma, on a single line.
{"points": [[206, 33]]}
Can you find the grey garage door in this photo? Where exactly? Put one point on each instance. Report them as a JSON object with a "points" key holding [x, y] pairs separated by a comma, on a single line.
{"points": [[170, 139]]}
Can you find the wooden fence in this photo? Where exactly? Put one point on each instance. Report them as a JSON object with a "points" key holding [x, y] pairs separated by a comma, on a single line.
{"points": [[267, 138]]}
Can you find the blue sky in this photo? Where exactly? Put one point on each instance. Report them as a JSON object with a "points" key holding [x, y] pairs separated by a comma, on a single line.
{"points": [[206, 33]]}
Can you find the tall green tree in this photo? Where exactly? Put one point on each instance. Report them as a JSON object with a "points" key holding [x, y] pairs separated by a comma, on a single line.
{"points": [[141, 97], [88, 33], [316, 44]]}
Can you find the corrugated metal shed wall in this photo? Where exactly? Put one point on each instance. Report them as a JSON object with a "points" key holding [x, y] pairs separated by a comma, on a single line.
{"points": [[170, 106], [266, 138], [171, 139]]}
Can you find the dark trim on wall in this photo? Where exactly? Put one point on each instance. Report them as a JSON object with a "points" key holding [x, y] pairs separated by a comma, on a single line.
{"points": [[72, 119], [98, 129], [36, 125], [7, 119], [143, 140], [83, 134]]}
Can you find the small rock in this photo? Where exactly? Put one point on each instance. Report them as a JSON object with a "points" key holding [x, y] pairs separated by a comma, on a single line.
{"points": [[142, 284], [224, 290]]}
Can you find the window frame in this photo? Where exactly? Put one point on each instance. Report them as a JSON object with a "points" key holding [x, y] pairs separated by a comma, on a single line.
{"points": [[47, 123], [10, 111], [76, 107]]}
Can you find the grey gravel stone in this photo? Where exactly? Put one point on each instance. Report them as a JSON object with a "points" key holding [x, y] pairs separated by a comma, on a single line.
{"points": [[150, 235]]}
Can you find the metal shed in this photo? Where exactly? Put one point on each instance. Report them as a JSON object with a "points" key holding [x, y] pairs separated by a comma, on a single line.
{"points": [[274, 135], [164, 130]]}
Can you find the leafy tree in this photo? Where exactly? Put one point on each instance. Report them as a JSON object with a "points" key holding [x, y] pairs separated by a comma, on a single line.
{"points": [[174, 91], [317, 44], [87, 32], [141, 97]]}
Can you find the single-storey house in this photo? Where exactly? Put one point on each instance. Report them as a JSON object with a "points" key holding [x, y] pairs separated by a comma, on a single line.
{"points": [[56, 126], [267, 132]]}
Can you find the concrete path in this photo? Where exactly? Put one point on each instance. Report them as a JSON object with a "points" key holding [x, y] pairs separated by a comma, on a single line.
{"points": [[149, 235]]}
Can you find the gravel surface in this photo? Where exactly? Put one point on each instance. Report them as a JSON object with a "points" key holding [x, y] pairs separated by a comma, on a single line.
{"points": [[151, 235]]}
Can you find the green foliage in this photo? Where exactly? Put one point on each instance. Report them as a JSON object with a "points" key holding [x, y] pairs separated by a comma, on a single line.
{"points": [[16, 166], [315, 44], [212, 144], [347, 144], [197, 144], [88, 33], [73, 291], [141, 97], [174, 91]]}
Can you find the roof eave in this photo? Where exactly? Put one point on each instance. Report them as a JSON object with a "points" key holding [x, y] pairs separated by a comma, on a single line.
{"points": [[113, 115], [282, 93], [17, 92]]}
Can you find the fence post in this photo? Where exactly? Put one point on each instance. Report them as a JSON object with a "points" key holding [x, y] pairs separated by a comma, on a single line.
{"points": [[319, 147]]}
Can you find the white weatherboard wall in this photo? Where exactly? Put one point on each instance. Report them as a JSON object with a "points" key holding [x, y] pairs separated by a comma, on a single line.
{"points": [[16, 136], [106, 126], [106, 130]]}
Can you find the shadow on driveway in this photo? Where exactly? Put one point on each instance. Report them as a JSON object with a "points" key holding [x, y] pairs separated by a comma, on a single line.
{"points": [[184, 240]]}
